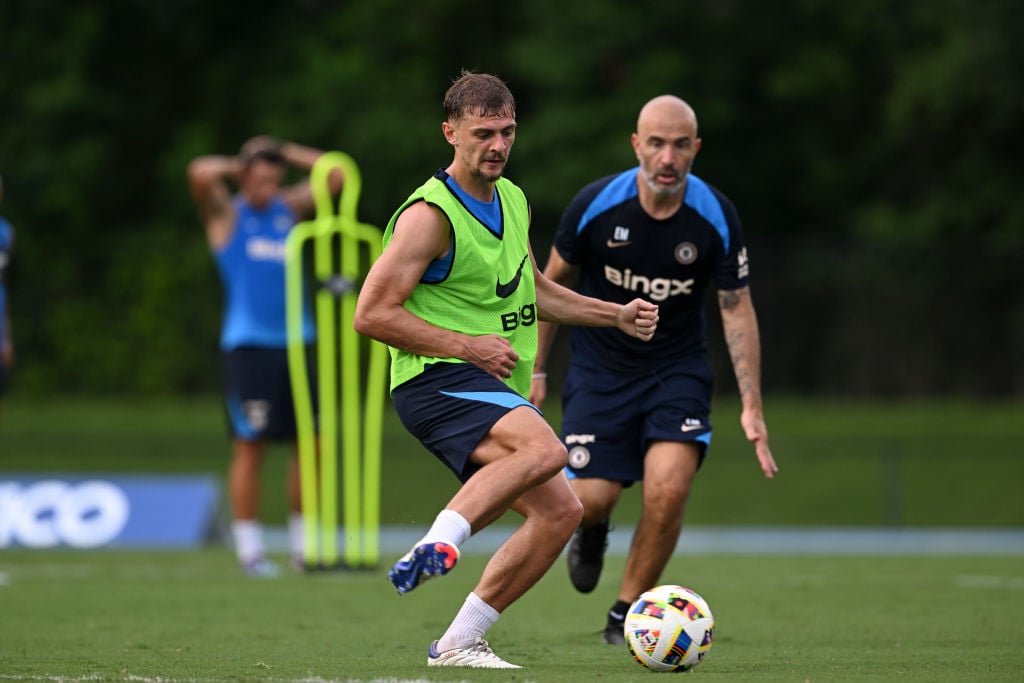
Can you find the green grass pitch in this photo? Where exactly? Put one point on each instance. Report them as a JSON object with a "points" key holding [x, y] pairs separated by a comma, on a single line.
{"points": [[173, 617], [190, 616]]}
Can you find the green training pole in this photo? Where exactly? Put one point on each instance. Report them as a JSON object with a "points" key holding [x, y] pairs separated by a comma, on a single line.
{"points": [[361, 412], [327, 359], [341, 245], [298, 373], [373, 416]]}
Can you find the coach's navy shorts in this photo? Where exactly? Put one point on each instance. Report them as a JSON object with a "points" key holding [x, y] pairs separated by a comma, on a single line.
{"points": [[450, 407], [258, 393], [609, 418]]}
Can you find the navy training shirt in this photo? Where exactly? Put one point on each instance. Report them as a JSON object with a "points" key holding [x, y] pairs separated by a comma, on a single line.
{"points": [[623, 253]]}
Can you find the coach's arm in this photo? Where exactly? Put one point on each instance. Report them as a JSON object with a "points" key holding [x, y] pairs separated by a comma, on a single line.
{"points": [[739, 322]]}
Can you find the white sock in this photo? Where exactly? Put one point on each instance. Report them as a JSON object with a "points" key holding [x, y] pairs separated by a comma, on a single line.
{"points": [[450, 527], [296, 534], [472, 622], [248, 536]]}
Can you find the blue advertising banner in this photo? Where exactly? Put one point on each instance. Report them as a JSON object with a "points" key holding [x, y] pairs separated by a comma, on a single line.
{"points": [[116, 511]]}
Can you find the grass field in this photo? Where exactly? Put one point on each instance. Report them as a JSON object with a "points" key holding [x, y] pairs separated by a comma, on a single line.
{"points": [[935, 463], [190, 616], [114, 616]]}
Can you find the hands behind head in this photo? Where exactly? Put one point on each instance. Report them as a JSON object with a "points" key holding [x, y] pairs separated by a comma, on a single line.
{"points": [[257, 144]]}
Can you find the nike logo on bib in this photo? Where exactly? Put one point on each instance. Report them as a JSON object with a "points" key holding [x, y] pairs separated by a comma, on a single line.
{"points": [[507, 289]]}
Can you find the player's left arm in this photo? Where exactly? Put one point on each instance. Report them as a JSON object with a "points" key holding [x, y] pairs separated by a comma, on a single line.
{"points": [[739, 321]]}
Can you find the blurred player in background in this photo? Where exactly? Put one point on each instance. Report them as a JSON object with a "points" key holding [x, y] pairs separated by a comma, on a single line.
{"points": [[246, 233], [642, 411], [457, 296], [6, 336]]}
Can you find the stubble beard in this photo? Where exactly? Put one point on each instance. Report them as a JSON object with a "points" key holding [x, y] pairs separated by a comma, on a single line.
{"points": [[490, 177], [665, 191]]}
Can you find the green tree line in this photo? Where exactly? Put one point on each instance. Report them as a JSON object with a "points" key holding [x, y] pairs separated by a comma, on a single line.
{"points": [[873, 150]]}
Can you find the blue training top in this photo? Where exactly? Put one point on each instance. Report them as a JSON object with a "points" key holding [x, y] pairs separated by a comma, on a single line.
{"points": [[252, 269]]}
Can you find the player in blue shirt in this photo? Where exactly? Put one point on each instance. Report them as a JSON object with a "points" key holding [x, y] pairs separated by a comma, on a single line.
{"points": [[246, 234], [637, 412], [6, 338]]}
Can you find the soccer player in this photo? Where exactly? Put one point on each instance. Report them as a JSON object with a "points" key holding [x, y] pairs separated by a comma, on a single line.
{"points": [[642, 412], [246, 234], [6, 337], [457, 296]]}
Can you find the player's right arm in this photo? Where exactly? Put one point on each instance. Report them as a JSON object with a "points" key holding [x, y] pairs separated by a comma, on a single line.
{"points": [[422, 234], [564, 273], [207, 181]]}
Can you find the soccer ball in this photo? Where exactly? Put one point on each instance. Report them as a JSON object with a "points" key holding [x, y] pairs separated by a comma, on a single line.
{"points": [[669, 628]]}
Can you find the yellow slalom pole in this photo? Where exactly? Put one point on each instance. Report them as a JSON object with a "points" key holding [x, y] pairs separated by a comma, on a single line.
{"points": [[373, 416], [361, 415], [327, 367], [298, 373], [361, 507]]}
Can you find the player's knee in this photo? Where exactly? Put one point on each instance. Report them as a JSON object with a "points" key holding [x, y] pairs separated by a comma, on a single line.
{"points": [[667, 497], [552, 457], [565, 518], [574, 513], [562, 512]]}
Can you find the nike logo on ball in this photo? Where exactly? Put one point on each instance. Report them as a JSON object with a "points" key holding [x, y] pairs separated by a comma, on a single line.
{"points": [[507, 289]]}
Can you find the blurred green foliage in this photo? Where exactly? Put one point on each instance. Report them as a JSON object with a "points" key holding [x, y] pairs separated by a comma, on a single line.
{"points": [[872, 148]]}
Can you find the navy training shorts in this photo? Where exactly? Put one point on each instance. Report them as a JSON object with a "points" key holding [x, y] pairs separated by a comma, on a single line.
{"points": [[450, 407], [609, 419], [258, 393]]}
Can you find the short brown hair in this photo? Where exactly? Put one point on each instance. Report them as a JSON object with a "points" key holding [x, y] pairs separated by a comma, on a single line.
{"points": [[480, 94], [268, 155]]}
